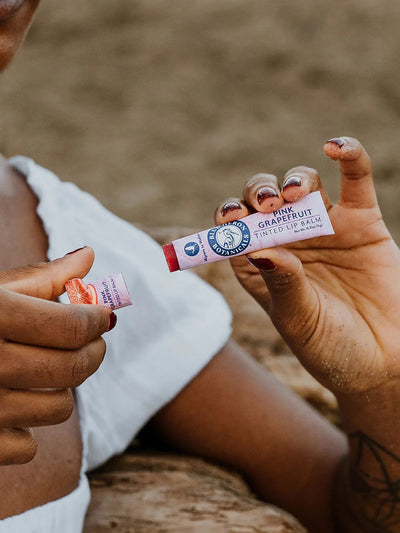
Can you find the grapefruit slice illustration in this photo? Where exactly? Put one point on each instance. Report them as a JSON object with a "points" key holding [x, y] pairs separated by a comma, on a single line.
{"points": [[79, 293]]}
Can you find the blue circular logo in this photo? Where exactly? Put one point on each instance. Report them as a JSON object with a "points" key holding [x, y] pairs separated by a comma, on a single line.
{"points": [[229, 239], [192, 248]]}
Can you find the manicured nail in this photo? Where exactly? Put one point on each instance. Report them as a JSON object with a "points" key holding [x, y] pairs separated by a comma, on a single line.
{"points": [[291, 181], [113, 321], [266, 192], [337, 140], [77, 250], [262, 263], [230, 206]]}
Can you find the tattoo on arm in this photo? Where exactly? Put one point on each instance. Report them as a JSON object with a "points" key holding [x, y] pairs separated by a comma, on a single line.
{"points": [[378, 492]]}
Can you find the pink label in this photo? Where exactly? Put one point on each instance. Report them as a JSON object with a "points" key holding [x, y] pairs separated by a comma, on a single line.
{"points": [[110, 291], [296, 221]]}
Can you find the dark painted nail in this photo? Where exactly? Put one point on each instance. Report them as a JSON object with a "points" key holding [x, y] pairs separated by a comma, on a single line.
{"points": [[230, 206], [113, 321], [266, 192], [291, 181], [77, 250], [337, 140], [262, 263]]}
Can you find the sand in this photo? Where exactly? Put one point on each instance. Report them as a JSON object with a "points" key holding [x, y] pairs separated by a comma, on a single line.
{"points": [[162, 109]]}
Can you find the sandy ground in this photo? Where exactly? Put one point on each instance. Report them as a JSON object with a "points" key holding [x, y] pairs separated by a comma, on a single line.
{"points": [[172, 104]]}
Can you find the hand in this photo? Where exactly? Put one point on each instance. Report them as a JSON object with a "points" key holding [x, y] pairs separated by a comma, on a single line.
{"points": [[334, 299], [45, 348]]}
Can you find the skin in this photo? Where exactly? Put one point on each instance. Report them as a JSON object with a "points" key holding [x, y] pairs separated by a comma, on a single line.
{"points": [[335, 285], [13, 31], [191, 423], [344, 288], [237, 414], [335, 300], [43, 357], [62, 346]]}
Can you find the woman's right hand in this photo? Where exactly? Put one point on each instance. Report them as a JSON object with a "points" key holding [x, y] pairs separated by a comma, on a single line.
{"points": [[46, 348]]}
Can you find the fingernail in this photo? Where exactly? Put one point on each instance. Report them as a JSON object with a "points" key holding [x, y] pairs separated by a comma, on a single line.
{"points": [[113, 321], [262, 263], [264, 193], [77, 250], [337, 140], [291, 181], [230, 206]]}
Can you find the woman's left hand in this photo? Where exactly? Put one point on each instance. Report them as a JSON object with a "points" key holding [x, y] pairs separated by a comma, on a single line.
{"points": [[334, 299]]}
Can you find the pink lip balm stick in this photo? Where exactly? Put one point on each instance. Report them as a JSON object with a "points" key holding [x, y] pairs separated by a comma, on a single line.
{"points": [[110, 291], [297, 221]]}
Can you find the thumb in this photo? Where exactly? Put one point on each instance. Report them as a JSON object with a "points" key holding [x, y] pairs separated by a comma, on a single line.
{"points": [[291, 301], [47, 280]]}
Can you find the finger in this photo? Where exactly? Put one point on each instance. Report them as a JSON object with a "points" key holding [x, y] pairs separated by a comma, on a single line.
{"points": [[300, 181], [24, 367], [31, 408], [291, 300], [262, 192], [230, 210], [357, 186], [38, 322], [47, 280], [17, 446]]}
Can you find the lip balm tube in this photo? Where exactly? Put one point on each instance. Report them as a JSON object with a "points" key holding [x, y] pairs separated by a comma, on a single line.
{"points": [[296, 221], [111, 292]]}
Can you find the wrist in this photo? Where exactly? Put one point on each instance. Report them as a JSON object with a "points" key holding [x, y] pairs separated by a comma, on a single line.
{"points": [[350, 512], [368, 498], [375, 411]]}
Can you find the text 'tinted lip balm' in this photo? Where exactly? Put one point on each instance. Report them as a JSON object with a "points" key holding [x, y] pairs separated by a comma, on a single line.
{"points": [[296, 221]]}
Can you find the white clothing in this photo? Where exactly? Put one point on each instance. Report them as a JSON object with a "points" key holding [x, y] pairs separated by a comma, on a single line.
{"points": [[174, 327]]}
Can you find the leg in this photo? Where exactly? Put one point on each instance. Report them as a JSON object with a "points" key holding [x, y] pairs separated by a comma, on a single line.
{"points": [[236, 413], [54, 472]]}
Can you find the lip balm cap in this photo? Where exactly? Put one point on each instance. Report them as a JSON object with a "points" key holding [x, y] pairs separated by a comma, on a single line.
{"points": [[170, 256]]}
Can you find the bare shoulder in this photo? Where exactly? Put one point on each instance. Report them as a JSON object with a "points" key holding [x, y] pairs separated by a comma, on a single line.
{"points": [[24, 240]]}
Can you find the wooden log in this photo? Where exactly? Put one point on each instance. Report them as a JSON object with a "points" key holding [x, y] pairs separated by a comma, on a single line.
{"points": [[165, 493]]}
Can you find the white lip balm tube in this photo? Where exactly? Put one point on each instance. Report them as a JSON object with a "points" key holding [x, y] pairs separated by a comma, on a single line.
{"points": [[110, 291], [296, 221]]}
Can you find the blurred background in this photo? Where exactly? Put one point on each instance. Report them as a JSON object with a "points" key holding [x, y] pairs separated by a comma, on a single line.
{"points": [[173, 104]]}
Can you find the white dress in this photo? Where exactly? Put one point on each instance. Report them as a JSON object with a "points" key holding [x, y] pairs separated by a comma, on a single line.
{"points": [[174, 327]]}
